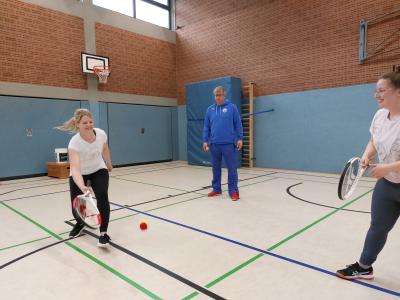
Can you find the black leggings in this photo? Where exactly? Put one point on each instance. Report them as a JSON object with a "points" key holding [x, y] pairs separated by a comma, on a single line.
{"points": [[385, 210], [99, 183]]}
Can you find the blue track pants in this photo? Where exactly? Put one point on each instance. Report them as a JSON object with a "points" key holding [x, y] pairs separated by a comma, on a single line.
{"points": [[229, 153]]}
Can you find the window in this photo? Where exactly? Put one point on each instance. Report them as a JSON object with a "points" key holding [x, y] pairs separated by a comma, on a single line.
{"points": [[149, 12], [122, 6], [165, 2], [154, 11]]}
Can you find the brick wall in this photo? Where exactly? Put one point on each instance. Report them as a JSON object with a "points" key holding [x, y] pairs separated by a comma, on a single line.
{"points": [[284, 46], [40, 46], [139, 64]]}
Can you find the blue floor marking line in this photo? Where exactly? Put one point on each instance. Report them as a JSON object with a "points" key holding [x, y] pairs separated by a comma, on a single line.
{"points": [[262, 251]]}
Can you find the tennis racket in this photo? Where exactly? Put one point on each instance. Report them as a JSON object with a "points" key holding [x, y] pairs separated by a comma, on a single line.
{"points": [[86, 210], [351, 174]]}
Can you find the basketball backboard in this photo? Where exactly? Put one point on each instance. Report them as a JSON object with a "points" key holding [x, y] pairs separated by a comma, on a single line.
{"points": [[88, 61]]}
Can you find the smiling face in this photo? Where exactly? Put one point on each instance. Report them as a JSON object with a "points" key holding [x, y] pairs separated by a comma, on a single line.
{"points": [[85, 124], [387, 95]]}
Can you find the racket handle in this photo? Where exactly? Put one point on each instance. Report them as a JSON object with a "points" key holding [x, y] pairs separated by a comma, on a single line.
{"points": [[92, 196], [88, 184]]}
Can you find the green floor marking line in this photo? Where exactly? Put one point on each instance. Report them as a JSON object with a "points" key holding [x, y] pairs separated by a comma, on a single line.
{"points": [[115, 272], [25, 243], [152, 184], [318, 221], [116, 219], [131, 215], [183, 201], [243, 264], [32, 241], [91, 257], [156, 208], [234, 270]]}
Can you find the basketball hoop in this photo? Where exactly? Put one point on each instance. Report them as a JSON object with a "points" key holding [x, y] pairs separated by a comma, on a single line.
{"points": [[102, 73]]}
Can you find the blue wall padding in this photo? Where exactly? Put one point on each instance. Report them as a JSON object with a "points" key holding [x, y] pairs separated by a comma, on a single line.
{"points": [[316, 130], [21, 155], [128, 144], [199, 96]]}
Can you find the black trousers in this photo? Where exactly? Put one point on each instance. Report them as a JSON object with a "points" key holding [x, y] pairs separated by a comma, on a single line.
{"points": [[99, 183], [385, 210]]}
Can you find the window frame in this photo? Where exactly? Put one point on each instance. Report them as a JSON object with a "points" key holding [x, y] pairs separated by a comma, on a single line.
{"points": [[167, 7]]}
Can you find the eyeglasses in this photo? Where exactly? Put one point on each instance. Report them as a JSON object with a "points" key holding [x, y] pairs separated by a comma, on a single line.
{"points": [[380, 91]]}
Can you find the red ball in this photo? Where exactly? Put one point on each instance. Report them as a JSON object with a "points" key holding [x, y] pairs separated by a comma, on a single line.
{"points": [[143, 225]]}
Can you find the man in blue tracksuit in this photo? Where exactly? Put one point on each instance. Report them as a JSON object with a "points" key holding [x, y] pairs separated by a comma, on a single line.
{"points": [[223, 135]]}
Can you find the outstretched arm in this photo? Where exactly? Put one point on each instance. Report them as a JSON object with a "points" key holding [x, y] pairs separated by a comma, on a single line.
{"points": [[75, 167]]}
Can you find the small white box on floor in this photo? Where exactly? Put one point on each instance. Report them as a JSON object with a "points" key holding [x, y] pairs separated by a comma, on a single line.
{"points": [[61, 154]]}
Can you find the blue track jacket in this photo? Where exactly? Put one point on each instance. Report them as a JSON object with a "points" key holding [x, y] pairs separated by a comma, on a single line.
{"points": [[222, 124]]}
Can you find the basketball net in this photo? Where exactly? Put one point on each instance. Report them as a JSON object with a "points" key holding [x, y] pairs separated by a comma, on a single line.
{"points": [[102, 73]]}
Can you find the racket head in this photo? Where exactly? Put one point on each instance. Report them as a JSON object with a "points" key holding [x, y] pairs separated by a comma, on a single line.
{"points": [[349, 178], [86, 211]]}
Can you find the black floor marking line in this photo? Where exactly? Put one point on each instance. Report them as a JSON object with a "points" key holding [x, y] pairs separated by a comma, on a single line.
{"points": [[318, 204], [188, 192], [33, 196], [315, 181], [36, 251], [147, 171], [86, 254], [180, 194], [333, 176], [13, 184], [146, 183], [308, 175], [59, 183], [156, 208], [291, 260], [177, 202], [137, 171], [185, 193], [31, 187], [159, 268], [362, 179], [143, 170]]}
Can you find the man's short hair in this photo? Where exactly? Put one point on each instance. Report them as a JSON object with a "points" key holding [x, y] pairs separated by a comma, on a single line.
{"points": [[219, 89]]}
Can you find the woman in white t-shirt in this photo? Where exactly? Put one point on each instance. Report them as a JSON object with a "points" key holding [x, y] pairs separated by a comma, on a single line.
{"points": [[385, 206], [89, 159]]}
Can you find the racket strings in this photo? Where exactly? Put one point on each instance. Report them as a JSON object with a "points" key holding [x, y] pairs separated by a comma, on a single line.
{"points": [[91, 215], [88, 211], [351, 178]]}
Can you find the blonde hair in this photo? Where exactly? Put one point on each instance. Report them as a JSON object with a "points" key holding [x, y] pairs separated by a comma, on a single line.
{"points": [[219, 89], [71, 125]]}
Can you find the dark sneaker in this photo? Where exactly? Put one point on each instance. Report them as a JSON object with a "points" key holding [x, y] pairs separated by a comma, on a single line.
{"points": [[104, 241], [235, 196], [78, 228], [355, 271], [213, 193]]}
